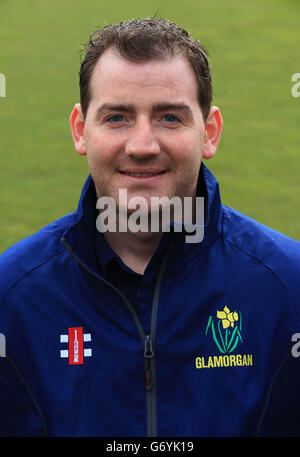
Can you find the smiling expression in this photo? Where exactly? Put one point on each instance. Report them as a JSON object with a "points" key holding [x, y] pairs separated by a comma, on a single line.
{"points": [[144, 130]]}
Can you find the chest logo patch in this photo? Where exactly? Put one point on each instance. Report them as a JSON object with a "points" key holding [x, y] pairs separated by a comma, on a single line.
{"points": [[225, 329], [75, 351]]}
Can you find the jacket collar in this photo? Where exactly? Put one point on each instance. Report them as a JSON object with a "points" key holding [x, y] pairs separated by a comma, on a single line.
{"points": [[80, 236], [208, 188]]}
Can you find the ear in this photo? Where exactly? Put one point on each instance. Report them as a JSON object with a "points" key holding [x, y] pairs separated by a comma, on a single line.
{"points": [[213, 128], [77, 129]]}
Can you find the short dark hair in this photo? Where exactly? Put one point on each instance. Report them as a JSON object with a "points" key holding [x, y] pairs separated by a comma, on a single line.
{"points": [[140, 40]]}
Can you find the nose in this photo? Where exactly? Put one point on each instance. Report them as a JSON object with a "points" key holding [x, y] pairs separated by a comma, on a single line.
{"points": [[142, 142]]}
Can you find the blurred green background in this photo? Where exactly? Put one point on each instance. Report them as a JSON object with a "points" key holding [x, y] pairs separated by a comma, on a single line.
{"points": [[254, 50]]}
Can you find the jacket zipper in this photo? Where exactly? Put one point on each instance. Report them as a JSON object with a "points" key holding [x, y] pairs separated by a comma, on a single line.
{"points": [[148, 354], [148, 340]]}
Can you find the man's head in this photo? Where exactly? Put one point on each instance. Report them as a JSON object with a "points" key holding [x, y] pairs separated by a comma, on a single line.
{"points": [[141, 40], [145, 108]]}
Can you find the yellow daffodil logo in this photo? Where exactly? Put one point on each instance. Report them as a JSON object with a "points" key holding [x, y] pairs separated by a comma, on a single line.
{"points": [[226, 331], [227, 318]]}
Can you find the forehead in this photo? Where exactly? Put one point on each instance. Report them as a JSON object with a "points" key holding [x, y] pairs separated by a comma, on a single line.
{"points": [[116, 76]]}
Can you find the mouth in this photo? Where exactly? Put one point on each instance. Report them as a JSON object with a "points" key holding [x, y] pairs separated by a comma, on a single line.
{"points": [[141, 174]]}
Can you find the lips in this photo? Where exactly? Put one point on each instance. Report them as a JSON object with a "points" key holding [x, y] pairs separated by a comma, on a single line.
{"points": [[142, 173]]}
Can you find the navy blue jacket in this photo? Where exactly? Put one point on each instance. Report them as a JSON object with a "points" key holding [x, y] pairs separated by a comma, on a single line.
{"points": [[208, 352]]}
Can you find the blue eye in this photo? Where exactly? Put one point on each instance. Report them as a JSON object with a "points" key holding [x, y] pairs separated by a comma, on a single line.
{"points": [[116, 118], [171, 118]]}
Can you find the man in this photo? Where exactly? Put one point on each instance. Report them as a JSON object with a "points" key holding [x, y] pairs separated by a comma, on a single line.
{"points": [[139, 332]]}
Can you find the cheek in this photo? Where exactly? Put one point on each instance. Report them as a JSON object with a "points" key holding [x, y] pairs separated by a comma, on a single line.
{"points": [[101, 150], [188, 154], [188, 160]]}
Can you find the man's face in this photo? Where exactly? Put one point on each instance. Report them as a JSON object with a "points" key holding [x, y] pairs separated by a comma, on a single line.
{"points": [[144, 129]]}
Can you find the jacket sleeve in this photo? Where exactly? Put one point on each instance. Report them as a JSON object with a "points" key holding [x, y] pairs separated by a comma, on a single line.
{"points": [[19, 415], [281, 416]]}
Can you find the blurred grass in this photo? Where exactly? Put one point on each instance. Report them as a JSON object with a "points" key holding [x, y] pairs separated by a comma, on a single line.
{"points": [[254, 50]]}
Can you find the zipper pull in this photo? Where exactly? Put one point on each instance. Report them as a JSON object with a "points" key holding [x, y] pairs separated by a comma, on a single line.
{"points": [[148, 354]]}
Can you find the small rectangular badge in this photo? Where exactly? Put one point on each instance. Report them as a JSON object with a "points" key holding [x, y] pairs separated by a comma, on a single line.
{"points": [[75, 346]]}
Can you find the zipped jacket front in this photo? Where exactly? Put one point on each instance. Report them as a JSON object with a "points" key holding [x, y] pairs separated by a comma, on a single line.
{"points": [[212, 353]]}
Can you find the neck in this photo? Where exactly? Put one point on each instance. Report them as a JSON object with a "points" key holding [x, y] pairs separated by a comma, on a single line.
{"points": [[135, 249]]}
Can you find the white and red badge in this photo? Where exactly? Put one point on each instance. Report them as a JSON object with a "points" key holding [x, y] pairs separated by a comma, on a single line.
{"points": [[76, 351]]}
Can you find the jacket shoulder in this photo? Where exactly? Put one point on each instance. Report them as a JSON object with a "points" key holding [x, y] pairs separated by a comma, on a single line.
{"points": [[31, 252], [276, 251]]}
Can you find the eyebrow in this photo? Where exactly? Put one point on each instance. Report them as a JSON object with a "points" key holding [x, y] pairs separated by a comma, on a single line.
{"points": [[158, 107], [172, 107], [107, 107]]}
